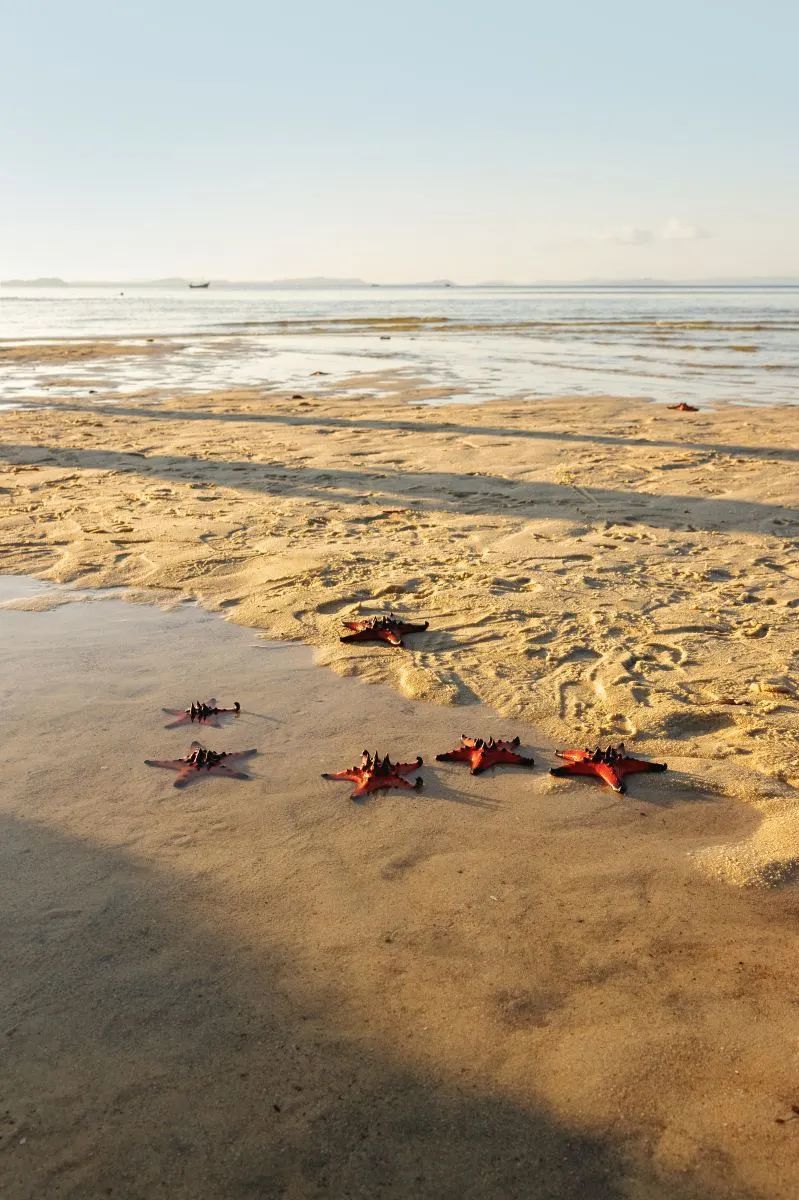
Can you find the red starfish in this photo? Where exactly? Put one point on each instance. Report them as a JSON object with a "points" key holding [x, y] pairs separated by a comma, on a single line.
{"points": [[375, 773], [200, 759], [202, 711], [482, 755], [683, 407], [381, 629], [611, 764]]}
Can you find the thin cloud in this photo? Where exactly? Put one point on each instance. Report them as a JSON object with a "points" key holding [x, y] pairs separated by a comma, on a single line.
{"points": [[672, 230], [676, 230], [629, 235]]}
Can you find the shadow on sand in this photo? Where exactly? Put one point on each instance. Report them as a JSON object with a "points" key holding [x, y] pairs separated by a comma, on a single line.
{"points": [[148, 1053], [422, 491]]}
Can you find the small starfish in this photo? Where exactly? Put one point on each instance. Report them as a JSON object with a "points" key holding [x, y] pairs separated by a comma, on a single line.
{"points": [[200, 759], [611, 764], [381, 629], [376, 773], [202, 711], [682, 407], [482, 755]]}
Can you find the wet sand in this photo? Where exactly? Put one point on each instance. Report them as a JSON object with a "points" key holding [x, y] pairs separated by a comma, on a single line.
{"points": [[500, 987]]}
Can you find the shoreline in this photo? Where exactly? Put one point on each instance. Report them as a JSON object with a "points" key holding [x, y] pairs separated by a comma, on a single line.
{"points": [[602, 570]]}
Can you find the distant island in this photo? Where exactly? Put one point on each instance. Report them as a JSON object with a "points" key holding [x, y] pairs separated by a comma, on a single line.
{"points": [[311, 281], [34, 283], [319, 282]]}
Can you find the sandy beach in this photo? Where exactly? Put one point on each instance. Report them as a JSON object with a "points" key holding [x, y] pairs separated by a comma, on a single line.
{"points": [[509, 986]]}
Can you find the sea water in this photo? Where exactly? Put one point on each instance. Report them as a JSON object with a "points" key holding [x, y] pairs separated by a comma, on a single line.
{"points": [[700, 344]]}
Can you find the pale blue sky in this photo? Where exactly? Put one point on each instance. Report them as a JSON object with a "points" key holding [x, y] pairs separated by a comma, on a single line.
{"points": [[395, 142]]}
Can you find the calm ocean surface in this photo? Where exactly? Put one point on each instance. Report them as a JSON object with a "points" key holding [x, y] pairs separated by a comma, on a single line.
{"points": [[704, 345]]}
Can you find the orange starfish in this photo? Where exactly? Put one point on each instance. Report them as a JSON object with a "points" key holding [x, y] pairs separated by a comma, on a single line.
{"points": [[381, 629], [481, 755], [376, 773], [200, 759], [611, 764]]}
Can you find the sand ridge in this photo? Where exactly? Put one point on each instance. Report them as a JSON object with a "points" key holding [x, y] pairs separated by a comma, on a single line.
{"points": [[598, 569]]}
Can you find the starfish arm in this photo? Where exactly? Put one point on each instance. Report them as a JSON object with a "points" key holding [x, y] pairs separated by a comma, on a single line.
{"points": [[510, 756], [372, 635], [234, 774], [242, 754], [574, 756], [632, 766], [610, 775], [184, 720], [405, 627], [490, 758], [171, 764], [518, 760], [398, 782], [573, 768], [462, 754], [363, 787], [184, 777], [478, 762], [352, 774], [404, 768]]}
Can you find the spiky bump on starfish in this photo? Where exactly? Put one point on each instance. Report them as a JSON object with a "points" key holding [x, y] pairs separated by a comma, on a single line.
{"points": [[389, 629], [481, 754], [376, 773], [204, 712], [200, 759], [610, 764]]}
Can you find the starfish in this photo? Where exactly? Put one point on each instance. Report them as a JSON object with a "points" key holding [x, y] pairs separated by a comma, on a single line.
{"points": [[376, 773], [381, 629], [683, 407], [611, 764], [200, 759], [202, 711], [481, 755]]}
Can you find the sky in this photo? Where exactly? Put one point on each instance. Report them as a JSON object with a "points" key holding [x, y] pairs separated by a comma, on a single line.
{"points": [[517, 141]]}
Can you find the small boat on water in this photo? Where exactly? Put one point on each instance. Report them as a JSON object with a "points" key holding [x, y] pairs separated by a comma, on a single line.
{"points": [[200, 285]]}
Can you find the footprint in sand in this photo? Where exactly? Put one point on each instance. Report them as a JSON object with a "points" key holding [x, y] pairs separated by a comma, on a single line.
{"points": [[693, 724]]}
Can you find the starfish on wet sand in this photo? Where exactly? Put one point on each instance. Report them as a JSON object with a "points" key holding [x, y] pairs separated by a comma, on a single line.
{"points": [[376, 773], [202, 711], [683, 407], [481, 754], [381, 629], [610, 764], [200, 759]]}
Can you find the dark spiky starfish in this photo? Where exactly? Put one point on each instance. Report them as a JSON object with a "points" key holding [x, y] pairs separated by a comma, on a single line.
{"points": [[376, 773], [610, 764], [481, 755], [200, 759], [683, 407], [202, 711], [381, 629]]}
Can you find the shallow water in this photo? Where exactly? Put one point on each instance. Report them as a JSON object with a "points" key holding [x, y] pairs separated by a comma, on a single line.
{"points": [[706, 345]]}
